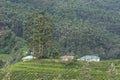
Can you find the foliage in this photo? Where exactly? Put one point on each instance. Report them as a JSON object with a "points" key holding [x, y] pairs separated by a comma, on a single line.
{"points": [[84, 73], [49, 70], [38, 33], [112, 73], [11, 46], [6, 72], [81, 27]]}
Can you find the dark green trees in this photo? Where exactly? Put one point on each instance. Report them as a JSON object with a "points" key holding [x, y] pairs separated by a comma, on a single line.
{"points": [[38, 33], [81, 28]]}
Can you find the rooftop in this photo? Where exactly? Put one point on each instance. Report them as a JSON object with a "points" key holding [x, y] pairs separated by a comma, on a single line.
{"points": [[90, 56]]}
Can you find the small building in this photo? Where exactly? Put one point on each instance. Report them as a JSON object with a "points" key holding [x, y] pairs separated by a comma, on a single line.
{"points": [[90, 58], [27, 58], [66, 58]]}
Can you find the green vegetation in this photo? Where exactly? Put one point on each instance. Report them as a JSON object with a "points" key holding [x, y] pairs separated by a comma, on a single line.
{"points": [[11, 47], [38, 32], [112, 72], [4, 57], [51, 69], [6, 72], [84, 73], [51, 28], [80, 27]]}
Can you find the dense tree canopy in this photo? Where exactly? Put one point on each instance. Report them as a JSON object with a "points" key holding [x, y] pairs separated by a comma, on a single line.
{"points": [[81, 27]]}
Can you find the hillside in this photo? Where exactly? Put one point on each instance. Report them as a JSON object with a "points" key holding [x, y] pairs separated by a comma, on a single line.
{"points": [[55, 69], [80, 26]]}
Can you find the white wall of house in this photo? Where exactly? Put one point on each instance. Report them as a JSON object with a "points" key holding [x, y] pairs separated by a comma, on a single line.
{"points": [[91, 59]]}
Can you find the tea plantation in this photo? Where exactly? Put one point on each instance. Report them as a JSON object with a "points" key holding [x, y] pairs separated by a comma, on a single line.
{"points": [[58, 70]]}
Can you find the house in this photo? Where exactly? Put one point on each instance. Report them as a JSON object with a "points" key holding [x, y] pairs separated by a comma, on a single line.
{"points": [[90, 58], [66, 58], [27, 58]]}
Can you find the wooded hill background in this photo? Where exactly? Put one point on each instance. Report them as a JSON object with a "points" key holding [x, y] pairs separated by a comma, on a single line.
{"points": [[81, 27]]}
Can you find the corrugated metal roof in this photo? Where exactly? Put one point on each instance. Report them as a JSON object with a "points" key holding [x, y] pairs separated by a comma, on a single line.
{"points": [[90, 57], [29, 57]]}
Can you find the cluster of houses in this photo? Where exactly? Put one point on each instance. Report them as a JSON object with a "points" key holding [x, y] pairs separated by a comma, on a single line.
{"points": [[68, 58], [84, 58]]}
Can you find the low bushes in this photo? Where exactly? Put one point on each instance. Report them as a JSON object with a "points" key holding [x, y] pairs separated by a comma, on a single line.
{"points": [[49, 70]]}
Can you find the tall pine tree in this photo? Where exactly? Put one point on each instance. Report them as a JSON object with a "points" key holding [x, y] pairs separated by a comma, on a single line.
{"points": [[38, 32]]}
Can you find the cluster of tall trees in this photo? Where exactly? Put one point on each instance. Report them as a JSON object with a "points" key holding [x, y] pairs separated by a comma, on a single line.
{"points": [[38, 33], [73, 27]]}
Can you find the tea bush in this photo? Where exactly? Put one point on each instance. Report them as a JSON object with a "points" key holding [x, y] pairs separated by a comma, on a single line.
{"points": [[53, 70]]}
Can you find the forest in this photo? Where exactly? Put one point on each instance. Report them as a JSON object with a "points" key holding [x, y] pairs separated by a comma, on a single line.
{"points": [[77, 27]]}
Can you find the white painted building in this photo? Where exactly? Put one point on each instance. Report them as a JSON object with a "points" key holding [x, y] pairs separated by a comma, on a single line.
{"points": [[27, 58], [90, 58]]}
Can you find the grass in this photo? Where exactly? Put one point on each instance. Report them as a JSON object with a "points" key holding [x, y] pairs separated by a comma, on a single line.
{"points": [[50, 69]]}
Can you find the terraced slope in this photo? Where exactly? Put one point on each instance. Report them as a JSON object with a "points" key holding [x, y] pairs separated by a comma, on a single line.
{"points": [[40, 69], [52, 69]]}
